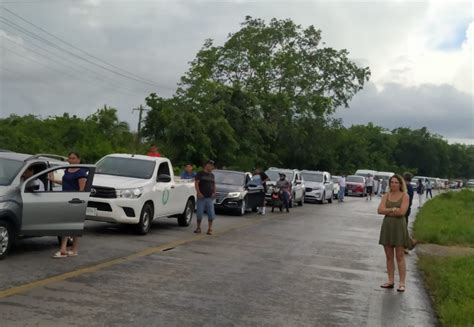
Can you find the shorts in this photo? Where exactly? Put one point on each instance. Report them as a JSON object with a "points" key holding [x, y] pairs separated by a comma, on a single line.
{"points": [[205, 204], [369, 189]]}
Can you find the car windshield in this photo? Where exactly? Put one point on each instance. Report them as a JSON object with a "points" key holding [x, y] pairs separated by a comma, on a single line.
{"points": [[126, 167], [274, 175], [355, 179], [312, 177], [229, 178], [8, 170]]}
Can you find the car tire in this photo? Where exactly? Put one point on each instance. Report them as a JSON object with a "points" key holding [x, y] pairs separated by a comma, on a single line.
{"points": [[6, 238], [322, 198], [330, 199], [301, 202], [146, 217], [243, 208], [186, 217], [255, 209]]}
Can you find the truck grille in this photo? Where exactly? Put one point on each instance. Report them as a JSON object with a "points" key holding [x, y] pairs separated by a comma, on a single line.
{"points": [[103, 192]]}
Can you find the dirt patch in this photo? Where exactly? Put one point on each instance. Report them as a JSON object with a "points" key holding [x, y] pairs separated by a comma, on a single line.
{"points": [[443, 251]]}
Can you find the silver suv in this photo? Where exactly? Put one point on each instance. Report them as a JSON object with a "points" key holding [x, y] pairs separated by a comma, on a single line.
{"points": [[31, 205]]}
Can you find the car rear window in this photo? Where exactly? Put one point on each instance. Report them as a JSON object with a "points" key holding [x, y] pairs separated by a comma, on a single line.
{"points": [[8, 170]]}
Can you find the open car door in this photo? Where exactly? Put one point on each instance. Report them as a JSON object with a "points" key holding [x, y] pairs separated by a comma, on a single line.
{"points": [[50, 211]]}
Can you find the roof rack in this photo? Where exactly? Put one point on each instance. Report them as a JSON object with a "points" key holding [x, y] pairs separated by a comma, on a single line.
{"points": [[46, 155]]}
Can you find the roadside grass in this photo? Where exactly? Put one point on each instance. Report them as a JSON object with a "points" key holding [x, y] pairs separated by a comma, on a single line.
{"points": [[447, 219], [451, 282]]}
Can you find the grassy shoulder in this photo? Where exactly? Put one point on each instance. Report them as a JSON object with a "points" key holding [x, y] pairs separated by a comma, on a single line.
{"points": [[451, 282], [448, 219]]}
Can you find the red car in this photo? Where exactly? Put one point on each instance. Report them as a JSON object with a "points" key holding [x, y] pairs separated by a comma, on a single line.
{"points": [[355, 185]]}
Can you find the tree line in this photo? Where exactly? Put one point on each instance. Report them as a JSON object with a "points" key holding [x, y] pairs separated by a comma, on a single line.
{"points": [[266, 97]]}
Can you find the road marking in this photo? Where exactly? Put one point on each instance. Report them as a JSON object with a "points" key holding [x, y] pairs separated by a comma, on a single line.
{"points": [[94, 268]]}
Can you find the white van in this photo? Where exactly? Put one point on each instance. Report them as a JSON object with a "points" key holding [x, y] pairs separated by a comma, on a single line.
{"points": [[365, 173]]}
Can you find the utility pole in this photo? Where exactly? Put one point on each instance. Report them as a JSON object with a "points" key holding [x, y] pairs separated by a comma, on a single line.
{"points": [[140, 110]]}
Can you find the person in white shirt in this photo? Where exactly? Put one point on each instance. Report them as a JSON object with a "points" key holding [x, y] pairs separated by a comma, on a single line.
{"points": [[342, 188], [369, 186], [27, 174]]}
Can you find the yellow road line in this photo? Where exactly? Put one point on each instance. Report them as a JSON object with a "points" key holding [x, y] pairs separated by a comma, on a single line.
{"points": [[94, 268]]}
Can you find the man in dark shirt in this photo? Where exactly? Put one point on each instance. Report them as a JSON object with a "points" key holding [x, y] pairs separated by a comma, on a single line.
{"points": [[260, 178], [205, 189], [411, 193]]}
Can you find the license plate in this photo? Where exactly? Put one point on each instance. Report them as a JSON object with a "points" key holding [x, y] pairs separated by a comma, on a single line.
{"points": [[91, 211]]}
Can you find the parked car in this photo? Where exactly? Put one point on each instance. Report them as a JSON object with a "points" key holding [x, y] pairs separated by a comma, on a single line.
{"points": [[470, 183], [136, 189], [355, 185], [318, 186], [382, 175], [297, 184], [234, 191], [336, 187], [34, 206]]}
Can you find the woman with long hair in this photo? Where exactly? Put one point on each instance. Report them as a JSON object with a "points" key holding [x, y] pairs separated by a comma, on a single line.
{"points": [[394, 234]]}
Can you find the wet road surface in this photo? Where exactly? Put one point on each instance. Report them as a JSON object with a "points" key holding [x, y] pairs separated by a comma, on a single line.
{"points": [[320, 265]]}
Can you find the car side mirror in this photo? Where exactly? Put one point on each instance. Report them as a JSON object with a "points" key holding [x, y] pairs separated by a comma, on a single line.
{"points": [[164, 178], [32, 187]]}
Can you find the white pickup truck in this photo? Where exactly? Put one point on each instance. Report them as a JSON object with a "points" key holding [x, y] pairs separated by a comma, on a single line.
{"points": [[135, 189]]}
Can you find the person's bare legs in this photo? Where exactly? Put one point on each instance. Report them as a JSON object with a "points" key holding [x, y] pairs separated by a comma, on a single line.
{"points": [[210, 225], [63, 248], [75, 245], [389, 255], [402, 269]]}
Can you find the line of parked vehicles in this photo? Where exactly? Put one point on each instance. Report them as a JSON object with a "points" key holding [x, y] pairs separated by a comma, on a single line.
{"points": [[135, 190]]}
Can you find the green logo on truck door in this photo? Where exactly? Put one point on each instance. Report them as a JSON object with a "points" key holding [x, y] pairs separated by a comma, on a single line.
{"points": [[165, 197]]}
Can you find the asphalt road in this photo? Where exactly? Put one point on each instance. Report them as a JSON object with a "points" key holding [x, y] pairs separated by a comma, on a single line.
{"points": [[320, 265]]}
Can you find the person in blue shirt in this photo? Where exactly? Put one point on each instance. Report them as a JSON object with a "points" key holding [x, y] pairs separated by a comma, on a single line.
{"points": [[73, 180], [188, 172]]}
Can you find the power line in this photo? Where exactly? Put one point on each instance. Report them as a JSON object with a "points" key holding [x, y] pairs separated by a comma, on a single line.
{"points": [[69, 66], [78, 49], [25, 31]]}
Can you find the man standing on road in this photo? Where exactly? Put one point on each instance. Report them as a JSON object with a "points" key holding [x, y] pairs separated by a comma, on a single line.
{"points": [[342, 188], [188, 172], [285, 188], [429, 188], [369, 187], [206, 190]]}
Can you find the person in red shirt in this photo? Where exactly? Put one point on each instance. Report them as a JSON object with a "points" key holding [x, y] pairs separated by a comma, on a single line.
{"points": [[153, 151]]}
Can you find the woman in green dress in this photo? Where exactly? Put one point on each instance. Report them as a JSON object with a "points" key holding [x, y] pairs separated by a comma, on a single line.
{"points": [[394, 234]]}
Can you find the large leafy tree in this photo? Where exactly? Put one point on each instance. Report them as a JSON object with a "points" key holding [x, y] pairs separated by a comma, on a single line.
{"points": [[267, 91]]}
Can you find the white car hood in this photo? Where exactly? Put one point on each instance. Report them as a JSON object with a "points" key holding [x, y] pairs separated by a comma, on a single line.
{"points": [[118, 182], [313, 184]]}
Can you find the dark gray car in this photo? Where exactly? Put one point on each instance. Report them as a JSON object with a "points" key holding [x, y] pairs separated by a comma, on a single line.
{"points": [[31, 205]]}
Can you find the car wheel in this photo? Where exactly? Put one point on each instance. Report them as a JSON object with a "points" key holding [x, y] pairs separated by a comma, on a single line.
{"points": [[146, 217], [6, 238], [255, 209], [330, 199], [185, 218], [243, 208], [322, 198], [69, 240]]}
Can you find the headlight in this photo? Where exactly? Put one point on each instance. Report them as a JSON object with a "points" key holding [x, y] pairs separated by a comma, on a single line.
{"points": [[130, 193], [234, 195]]}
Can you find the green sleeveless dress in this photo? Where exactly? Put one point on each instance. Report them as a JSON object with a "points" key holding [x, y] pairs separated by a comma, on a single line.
{"points": [[394, 230]]}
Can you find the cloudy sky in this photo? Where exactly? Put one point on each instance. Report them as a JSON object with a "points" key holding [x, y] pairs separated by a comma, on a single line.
{"points": [[420, 54]]}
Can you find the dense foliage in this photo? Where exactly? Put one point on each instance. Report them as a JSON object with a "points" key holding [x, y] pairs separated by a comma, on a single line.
{"points": [[264, 98]]}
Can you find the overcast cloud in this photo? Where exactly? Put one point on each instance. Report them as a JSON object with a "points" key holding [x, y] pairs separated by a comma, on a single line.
{"points": [[420, 54]]}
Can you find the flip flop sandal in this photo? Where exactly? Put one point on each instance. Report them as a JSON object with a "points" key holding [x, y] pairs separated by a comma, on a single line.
{"points": [[401, 288], [209, 232], [387, 285], [197, 231], [72, 254], [59, 255]]}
